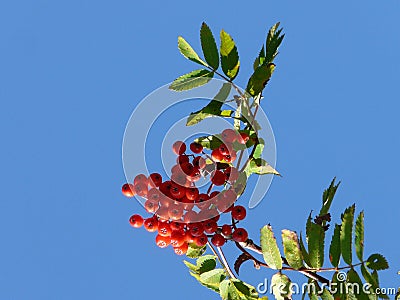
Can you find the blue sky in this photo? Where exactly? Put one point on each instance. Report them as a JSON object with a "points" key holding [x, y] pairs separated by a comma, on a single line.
{"points": [[71, 73]]}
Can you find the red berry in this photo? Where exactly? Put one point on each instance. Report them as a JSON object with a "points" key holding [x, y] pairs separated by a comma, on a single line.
{"points": [[141, 178], [240, 235], [164, 229], [225, 149], [165, 188], [177, 238], [136, 221], [187, 168], [238, 213], [180, 178], [210, 226], [190, 217], [196, 148], [218, 178], [182, 159], [199, 162], [243, 138], [179, 147], [162, 212], [151, 206], [216, 155], [229, 135], [196, 229], [231, 157], [176, 226], [128, 189], [151, 224], [231, 173], [192, 193], [155, 180], [201, 240], [163, 241], [226, 230], [177, 191], [154, 195], [195, 175], [181, 250], [218, 240], [141, 189], [175, 212]]}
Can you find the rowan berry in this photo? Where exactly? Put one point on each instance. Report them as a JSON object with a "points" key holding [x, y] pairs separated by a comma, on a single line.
{"points": [[177, 238], [192, 193], [226, 230], [128, 189], [238, 212], [210, 226], [199, 162], [181, 250], [218, 240], [151, 206], [151, 224], [163, 241], [216, 155], [229, 135], [155, 180], [201, 240], [218, 178], [196, 148], [136, 221], [164, 228], [240, 235], [243, 138], [141, 178], [179, 147]]}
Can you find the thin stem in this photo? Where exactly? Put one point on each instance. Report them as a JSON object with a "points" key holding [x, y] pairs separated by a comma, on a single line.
{"points": [[221, 259], [250, 245], [227, 267]]}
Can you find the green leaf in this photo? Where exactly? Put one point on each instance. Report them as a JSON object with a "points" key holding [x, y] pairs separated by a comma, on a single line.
{"points": [[191, 266], [259, 148], [214, 287], [326, 295], [346, 232], [312, 289], [274, 39], [270, 250], [229, 56], [338, 286], [304, 252], [291, 248], [334, 249], [206, 263], [316, 242], [191, 80], [245, 289], [260, 58], [195, 251], [327, 197], [369, 278], [260, 166], [355, 285], [259, 79], [211, 109], [209, 46], [377, 262], [210, 142], [375, 276], [359, 236], [188, 52], [213, 277], [280, 285]]}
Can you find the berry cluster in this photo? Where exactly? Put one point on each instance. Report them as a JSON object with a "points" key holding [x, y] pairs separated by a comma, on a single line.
{"points": [[181, 214]]}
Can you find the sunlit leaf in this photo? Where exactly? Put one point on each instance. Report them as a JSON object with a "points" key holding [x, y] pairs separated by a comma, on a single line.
{"points": [[188, 52], [191, 80], [280, 285], [291, 249], [229, 56], [270, 250]]}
